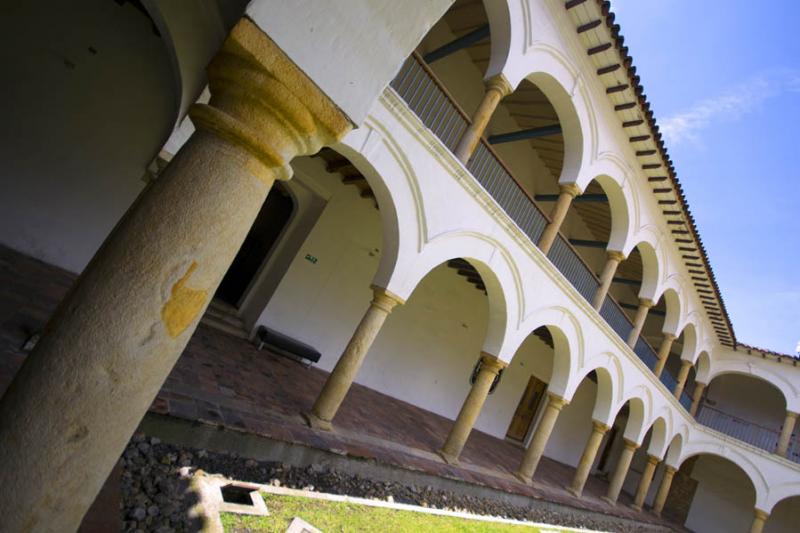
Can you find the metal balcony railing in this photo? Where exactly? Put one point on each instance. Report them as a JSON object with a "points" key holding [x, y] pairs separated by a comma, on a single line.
{"points": [[424, 94], [746, 431]]}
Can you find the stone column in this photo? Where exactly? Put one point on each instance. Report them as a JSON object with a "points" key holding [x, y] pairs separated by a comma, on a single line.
{"points": [[536, 448], [567, 193], [786, 433], [613, 261], [663, 490], [339, 381], [759, 520], [615, 486], [107, 350], [663, 353], [587, 458], [696, 396], [683, 374], [644, 482], [497, 88], [490, 367], [638, 322]]}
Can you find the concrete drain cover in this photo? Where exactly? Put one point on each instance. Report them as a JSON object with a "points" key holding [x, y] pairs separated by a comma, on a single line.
{"points": [[299, 525]]}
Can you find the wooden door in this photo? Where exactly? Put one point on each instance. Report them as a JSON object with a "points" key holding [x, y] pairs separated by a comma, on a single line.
{"points": [[526, 410]]}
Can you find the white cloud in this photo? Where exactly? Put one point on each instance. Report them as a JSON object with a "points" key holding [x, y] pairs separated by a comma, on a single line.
{"points": [[731, 105]]}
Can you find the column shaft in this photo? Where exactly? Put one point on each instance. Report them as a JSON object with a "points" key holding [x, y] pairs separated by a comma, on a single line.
{"points": [[490, 367], [534, 452], [557, 216], [638, 322], [587, 458], [107, 350], [615, 486], [696, 396], [786, 433], [613, 261], [663, 490], [344, 373], [644, 482], [496, 89], [759, 519], [683, 374], [663, 353]]}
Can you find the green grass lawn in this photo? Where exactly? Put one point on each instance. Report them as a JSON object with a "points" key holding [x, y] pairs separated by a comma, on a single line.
{"points": [[331, 517]]}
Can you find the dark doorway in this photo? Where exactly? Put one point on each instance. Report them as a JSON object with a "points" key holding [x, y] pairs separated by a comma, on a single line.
{"points": [[271, 219]]}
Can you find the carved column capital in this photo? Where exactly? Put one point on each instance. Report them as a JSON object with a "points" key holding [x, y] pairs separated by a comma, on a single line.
{"points": [[556, 402], [262, 102], [615, 255], [571, 189], [491, 363], [499, 83], [385, 300]]}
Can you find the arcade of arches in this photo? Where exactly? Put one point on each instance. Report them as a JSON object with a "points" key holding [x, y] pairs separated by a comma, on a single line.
{"points": [[304, 257]]}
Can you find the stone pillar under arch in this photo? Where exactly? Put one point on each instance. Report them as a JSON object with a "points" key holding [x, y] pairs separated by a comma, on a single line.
{"points": [[621, 471], [497, 88], [81, 393], [567, 193], [613, 259], [644, 482], [587, 458], [490, 367], [638, 321], [536, 448], [759, 520], [344, 373]]}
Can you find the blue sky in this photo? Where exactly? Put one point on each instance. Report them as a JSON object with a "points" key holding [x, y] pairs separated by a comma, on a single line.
{"points": [[723, 77]]}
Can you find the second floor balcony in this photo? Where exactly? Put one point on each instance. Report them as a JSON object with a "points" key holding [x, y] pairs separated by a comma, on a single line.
{"points": [[430, 100]]}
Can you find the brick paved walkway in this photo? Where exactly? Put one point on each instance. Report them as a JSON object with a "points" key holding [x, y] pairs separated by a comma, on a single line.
{"points": [[223, 380]]}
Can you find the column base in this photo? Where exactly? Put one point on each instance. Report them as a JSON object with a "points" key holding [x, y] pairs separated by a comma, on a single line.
{"points": [[448, 458], [575, 492], [636, 507], [522, 478], [609, 500], [316, 422]]}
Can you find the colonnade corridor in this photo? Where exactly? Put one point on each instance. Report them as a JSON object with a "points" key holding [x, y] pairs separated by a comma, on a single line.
{"points": [[469, 262], [222, 381]]}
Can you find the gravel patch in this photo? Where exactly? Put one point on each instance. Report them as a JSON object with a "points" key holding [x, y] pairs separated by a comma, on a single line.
{"points": [[155, 497]]}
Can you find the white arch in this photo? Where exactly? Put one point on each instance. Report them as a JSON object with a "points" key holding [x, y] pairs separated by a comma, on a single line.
{"points": [[650, 270], [779, 492], [503, 29], [689, 342], [661, 430], [609, 385], [191, 38], [640, 401], [779, 381], [675, 448], [390, 175], [568, 345], [559, 79], [703, 367], [735, 456], [497, 270], [672, 302]]}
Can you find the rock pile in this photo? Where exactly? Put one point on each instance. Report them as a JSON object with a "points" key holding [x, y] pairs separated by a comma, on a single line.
{"points": [[155, 497]]}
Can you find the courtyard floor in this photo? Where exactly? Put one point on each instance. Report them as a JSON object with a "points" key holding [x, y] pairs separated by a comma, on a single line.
{"points": [[223, 380]]}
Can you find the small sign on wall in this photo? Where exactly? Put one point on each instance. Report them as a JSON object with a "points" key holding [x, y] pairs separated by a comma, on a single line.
{"points": [[311, 259]]}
